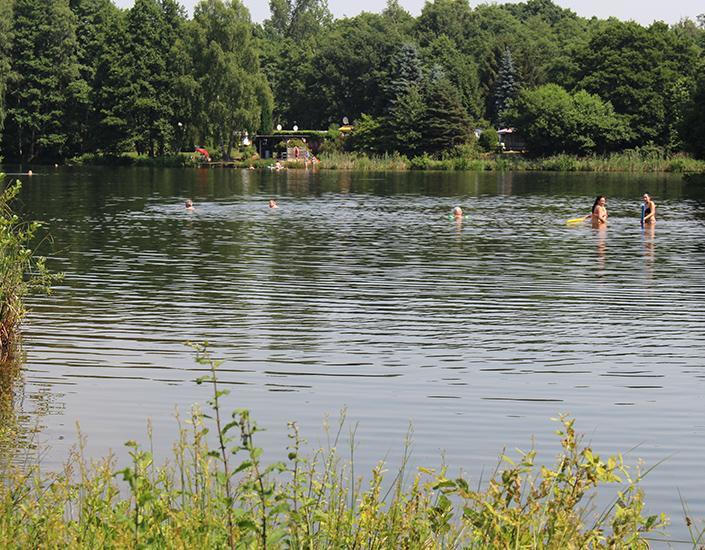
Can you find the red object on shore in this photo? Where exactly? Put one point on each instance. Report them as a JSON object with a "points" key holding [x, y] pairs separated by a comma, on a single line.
{"points": [[202, 151]]}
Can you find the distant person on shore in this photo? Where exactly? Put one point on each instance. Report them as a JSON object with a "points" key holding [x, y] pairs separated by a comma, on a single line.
{"points": [[189, 205], [458, 213], [648, 210], [273, 203], [598, 216]]}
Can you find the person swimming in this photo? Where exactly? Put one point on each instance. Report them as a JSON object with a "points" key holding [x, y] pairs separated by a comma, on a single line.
{"points": [[273, 203], [458, 213], [598, 216], [649, 210], [188, 204]]}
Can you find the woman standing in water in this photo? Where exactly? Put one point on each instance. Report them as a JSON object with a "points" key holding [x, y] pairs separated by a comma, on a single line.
{"points": [[598, 216], [649, 210]]}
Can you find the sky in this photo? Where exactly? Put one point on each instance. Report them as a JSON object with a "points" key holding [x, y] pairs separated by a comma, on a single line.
{"points": [[644, 12]]}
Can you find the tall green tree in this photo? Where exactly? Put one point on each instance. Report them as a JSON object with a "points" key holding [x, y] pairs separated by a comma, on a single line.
{"points": [[234, 94], [633, 67], [5, 40], [112, 91], [445, 123], [95, 20], [151, 36], [443, 17], [43, 81], [506, 87], [405, 72], [297, 20], [460, 69], [348, 71], [693, 123]]}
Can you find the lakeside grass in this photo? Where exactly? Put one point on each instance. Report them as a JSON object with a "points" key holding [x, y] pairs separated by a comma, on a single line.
{"points": [[645, 160], [216, 491]]}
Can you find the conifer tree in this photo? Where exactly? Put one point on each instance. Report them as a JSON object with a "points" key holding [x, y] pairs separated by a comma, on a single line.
{"points": [[5, 29], [405, 72], [112, 93], [445, 123], [506, 87], [149, 42], [43, 78]]}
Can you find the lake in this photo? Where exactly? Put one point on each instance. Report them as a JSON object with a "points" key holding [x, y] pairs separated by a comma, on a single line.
{"points": [[359, 292]]}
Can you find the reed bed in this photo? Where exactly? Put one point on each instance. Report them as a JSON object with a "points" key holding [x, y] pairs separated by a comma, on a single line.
{"points": [[216, 491], [636, 161]]}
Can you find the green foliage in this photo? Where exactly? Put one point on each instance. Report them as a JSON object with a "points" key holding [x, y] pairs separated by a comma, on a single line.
{"points": [[460, 69], [405, 73], [297, 20], [348, 69], [551, 121], [21, 272], [44, 81], [5, 40], [692, 128], [634, 67], [506, 87], [234, 95], [445, 123], [366, 136], [84, 77], [402, 130], [489, 139], [229, 496]]}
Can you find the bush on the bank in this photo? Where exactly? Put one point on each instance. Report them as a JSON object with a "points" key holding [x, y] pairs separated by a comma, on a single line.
{"points": [[489, 139], [21, 272], [552, 121]]}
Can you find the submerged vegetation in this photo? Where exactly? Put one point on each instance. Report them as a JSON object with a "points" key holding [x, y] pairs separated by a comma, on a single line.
{"points": [[217, 491], [21, 272]]}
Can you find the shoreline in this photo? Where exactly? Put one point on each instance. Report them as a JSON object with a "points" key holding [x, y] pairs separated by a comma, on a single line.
{"points": [[633, 161]]}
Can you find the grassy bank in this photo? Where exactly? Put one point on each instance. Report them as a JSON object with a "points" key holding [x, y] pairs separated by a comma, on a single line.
{"points": [[627, 161], [21, 272], [217, 491]]}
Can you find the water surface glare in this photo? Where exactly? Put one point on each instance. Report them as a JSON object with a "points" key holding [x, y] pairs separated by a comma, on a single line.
{"points": [[359, 291]]}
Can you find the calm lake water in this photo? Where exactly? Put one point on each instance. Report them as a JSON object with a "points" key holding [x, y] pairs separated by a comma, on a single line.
{"points": [[360, 292]]}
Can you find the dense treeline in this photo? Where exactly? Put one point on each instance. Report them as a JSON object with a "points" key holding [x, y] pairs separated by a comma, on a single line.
{"points": [[82, 76]]}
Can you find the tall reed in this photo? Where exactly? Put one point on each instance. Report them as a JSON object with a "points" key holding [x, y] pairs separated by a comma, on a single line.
{"points": [[635, 160]]}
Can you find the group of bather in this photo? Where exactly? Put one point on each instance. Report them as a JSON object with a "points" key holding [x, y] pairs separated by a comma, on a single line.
{"points": [[598, 215]]}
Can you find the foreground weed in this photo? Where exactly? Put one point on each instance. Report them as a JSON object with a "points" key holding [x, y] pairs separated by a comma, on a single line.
{"points": [[21, 272], [227, 496]]}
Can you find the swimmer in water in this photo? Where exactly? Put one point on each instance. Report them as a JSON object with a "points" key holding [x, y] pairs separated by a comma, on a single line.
{"points": [[189, 204], [598, 216], [273, 203], [649, 216], [458, 213]]}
